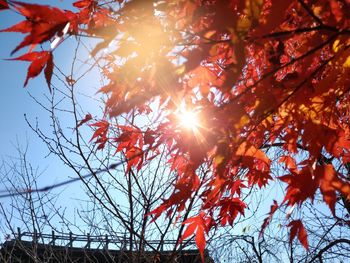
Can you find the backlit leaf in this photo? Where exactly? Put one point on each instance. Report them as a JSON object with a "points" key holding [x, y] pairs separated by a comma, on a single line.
{"points": [[297, 229]]}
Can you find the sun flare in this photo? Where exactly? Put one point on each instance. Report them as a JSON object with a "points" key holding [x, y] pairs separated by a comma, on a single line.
{"points": [[188, 119]]}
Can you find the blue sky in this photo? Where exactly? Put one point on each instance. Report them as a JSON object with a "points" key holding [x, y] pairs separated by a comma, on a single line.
{"points": [[16, 101]]}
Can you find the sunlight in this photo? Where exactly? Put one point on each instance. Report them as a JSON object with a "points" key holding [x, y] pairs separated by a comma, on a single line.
{"points": [[188, 119]]}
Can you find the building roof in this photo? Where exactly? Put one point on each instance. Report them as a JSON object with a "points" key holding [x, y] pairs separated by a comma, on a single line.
{"points": [[28, 251]]}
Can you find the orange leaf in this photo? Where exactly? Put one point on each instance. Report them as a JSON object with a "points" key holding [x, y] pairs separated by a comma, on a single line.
{"points": [[200, 241], [289, 162], [196, 224], [249, 150], [188, 232]]}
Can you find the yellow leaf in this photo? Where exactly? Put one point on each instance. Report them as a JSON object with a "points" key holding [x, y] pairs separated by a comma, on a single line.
{"points": [[244, 24], [245, 119], [252, 13], [317, 10], [336, 45], [209, 33], [256, 8], [180, 70], [347, 62], [218, 159]]}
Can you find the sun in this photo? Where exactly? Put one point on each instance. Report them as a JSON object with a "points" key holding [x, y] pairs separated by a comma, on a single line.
{"points": [[188, 119]]}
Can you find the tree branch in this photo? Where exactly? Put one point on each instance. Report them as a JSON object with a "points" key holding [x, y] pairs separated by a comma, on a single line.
{"points": [[330, 245]]}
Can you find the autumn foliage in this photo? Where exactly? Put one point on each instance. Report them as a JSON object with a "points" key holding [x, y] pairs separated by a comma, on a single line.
{"points": [[257, 74]]}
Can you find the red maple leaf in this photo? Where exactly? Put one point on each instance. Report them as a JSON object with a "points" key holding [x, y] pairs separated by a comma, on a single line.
{"points": [[39, 61], [301, 185], [4, 5], [272, 16], [86, 119], [297, 229], [268, 219], [288, 161], [84, 3], [196, 225], [100, 133], [230, 208], [276, 74], [42, 23], [330, 183]]}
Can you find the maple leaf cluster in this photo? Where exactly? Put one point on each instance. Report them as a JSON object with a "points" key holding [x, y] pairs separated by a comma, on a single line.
{"points": [[259, 74]]}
